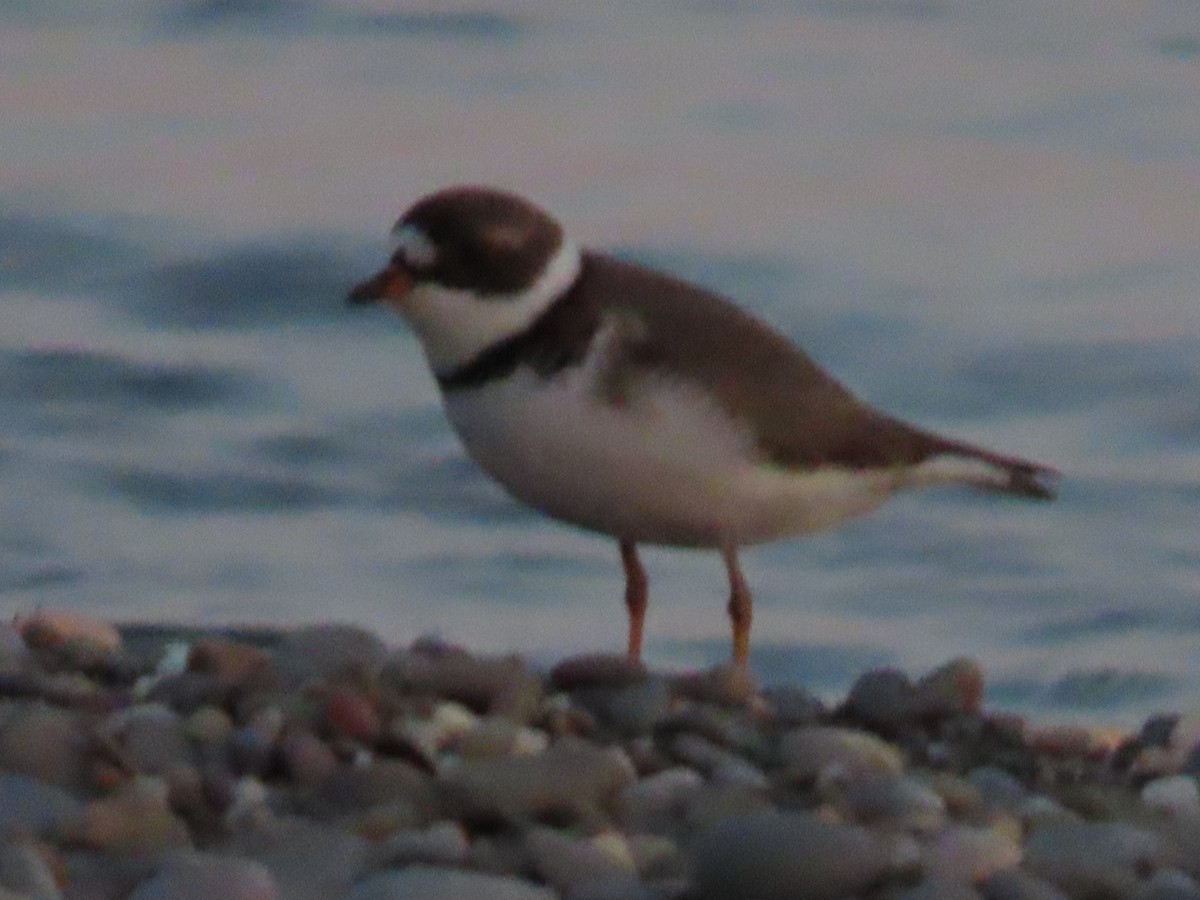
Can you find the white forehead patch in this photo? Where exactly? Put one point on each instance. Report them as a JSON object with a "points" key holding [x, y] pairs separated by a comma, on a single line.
{"points": [[415, 246]]}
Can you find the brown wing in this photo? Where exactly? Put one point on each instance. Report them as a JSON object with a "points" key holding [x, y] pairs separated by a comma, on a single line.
{"points": [[800, 415]]}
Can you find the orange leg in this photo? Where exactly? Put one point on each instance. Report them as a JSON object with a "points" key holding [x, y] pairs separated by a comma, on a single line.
{"points": [[740, 607], [635, 596]]}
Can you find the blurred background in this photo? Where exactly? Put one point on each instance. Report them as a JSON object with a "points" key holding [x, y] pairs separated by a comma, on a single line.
{"points": [[984, 217]]}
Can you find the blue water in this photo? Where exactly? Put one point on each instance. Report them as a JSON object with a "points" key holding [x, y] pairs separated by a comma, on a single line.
{"points": [[984, 217]]}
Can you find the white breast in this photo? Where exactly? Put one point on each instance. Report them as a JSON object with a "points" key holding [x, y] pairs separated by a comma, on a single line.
{"points": [[671, 467]]}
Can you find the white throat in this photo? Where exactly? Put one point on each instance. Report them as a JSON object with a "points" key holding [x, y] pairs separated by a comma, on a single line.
{"points": [[455, 325]]}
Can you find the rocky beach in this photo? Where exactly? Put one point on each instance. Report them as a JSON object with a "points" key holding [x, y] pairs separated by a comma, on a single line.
{"points": [[165, 763]]}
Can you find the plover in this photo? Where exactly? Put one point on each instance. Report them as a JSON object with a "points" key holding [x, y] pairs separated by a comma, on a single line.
{"points": [[632, 403]]}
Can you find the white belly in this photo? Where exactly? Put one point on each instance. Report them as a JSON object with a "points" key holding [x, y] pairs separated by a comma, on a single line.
{"points": [[672, 469]]}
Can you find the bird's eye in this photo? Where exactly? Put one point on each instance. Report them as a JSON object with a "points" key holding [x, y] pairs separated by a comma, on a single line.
{"points": [[413, 248]]}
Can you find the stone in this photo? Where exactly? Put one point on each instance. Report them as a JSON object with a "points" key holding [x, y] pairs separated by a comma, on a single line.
{"points": [[612, 887], [203, 876], [998, 789], [329, 652], [1175, 795], [51, 629], [722, 685], [793, 705], [897, 802], [496, 685], [655, 803], [574, 779], [14, 653], [428, 883], [151, 736], [774, 855], [968, 853], [813, 752], [1016, 884], [236, 663], [598, 670], [563, 861], [441, 844], [1102, 858], [630, 709], [355, 789], [350, 713], [1168, 884], [25, 869], [135, 818], [953, 689], [306, 758], [308, 861], [882, 698], [46, 743], [33, 806], [935, 889]]}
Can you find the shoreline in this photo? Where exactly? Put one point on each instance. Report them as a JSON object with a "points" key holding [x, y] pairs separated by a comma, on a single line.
{"points": [[153, 760]]}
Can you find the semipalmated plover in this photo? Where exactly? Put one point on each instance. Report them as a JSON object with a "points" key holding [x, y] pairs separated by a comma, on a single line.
{"points": [[629, 402]]}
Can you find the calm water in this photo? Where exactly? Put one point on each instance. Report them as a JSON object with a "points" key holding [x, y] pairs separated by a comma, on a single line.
{"points": [[983, 216]]}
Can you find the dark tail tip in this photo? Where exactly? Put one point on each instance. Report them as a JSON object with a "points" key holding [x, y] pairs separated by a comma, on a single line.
{"points": [[1032, 480]]}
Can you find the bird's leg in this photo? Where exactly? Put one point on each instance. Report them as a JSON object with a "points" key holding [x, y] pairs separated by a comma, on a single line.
{"points": [[740, 604], [635, 596]]}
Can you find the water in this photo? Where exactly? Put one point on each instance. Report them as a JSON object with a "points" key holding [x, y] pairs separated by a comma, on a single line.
{"points": [[984, 217]]}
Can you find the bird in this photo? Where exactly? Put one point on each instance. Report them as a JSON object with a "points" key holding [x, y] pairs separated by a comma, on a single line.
{"points": [[630, 402]]}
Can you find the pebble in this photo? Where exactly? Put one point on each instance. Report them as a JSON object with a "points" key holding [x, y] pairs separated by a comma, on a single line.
{"points": [[14, 653], [151, 737], [774, 855], [897, 802], [135, 818], [1101, 858], [1176, 795], [498, 685], [46, 743], [52, 629], [953, 689], [723, 685], [199, 876], [971, 854], [882, 698], [25, 869], [792, 705], [427, 883], [826, 752], [443, 843], [33, 806], [612, 887], [563, 861], [627, 709], [328, 652], [936, 889], [597, 670], [1015, 884], [573, 778], [308, 861], [321, 764], [235, 663]]}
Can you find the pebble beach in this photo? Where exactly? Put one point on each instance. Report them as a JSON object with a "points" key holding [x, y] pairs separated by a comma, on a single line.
{"points": [[165, 763]]}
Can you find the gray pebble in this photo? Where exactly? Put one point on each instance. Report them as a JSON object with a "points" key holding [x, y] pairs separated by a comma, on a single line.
{"points": [[308, 861], [202, 876], [1094, 857], [426, 883], [27, 804], [572, 778], [1016, 884], [783, 855], [23, 869]]}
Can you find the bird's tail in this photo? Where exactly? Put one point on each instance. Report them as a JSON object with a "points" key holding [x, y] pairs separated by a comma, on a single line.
{"points": [[956, 462]]}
